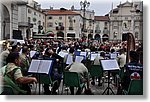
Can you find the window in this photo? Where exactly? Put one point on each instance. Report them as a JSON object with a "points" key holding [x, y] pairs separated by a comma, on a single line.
{"points": [[115, 11], [29, 19], [105, 23], [137, 18], [43, 24], [115, 18], [60, 24], [34, 13], [29, 11], [70, 28], [39, 15], [60, 18], [50, 24], [90, 16], [126, 18], [39, 22], [136, 35], [115, 24], [50, 17]]}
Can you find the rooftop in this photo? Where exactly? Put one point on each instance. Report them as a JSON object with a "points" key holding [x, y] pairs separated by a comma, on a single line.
{"points": [[101, 18], [61, 12]]}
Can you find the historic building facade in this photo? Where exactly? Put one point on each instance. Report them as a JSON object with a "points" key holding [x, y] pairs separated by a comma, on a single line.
{"points": [[127, 17], [63, 23], [26, 17], [9, 19], [31, 19], [101, 28]]}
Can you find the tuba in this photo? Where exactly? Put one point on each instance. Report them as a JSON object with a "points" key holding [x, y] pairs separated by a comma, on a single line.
{"points": [[130, 45]]}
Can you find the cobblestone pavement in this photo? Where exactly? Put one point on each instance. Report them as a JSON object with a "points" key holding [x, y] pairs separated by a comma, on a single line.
{"points": [[96, 90]]}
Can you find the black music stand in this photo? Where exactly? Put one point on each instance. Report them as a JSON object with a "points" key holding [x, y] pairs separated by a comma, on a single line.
{"points": [[109, 65], [40, 67]]}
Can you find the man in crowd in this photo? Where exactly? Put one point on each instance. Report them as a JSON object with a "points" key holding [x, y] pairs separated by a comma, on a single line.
{"points": [[133, 70]]}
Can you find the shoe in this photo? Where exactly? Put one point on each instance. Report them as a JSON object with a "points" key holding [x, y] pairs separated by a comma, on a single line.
{"points": [[93, 83]]}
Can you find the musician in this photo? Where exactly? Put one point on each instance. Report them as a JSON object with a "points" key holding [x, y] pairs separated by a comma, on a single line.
{"points": [[121, 58], [133, 70], [82, 70], [55, 73], [13, 71], [96, 62]]}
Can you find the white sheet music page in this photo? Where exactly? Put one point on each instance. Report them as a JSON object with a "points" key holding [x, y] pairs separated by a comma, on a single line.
{"points": [[34, 66], [62, 54], [83, 53], [93, 56], [69, 59], [79, 58], [113, 55], [110, 64], [32, 53], [45, 66]]}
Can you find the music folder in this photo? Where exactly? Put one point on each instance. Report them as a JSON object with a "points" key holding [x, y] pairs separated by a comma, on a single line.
{"points": [[40, 66], [109, 64]]}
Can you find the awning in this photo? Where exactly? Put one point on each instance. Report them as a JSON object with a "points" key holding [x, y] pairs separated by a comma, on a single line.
{"points": [[50, 34], [60, 34]]}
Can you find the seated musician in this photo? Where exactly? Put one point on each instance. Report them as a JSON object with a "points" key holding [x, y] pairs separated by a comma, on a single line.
{"points": [[55, 73], [133, 70], [14, 72], [82, 70]]}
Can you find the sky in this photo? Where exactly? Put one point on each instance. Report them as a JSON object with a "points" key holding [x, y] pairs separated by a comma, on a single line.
{"points": [[101, 7]]}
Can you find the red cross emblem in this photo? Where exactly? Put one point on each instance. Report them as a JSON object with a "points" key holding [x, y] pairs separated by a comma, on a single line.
{"points": [[135, 75]]}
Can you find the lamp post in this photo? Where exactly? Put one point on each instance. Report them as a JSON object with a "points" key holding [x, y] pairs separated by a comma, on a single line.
{"points": [[84, 5], [4, 26]]}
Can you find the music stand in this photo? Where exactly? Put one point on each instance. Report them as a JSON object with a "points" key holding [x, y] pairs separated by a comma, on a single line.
{"points": [[109, 65], [40, 67], [79, 58]]}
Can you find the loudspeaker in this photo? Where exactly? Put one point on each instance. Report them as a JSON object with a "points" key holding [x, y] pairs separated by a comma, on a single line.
{"points": [[124, 37]]}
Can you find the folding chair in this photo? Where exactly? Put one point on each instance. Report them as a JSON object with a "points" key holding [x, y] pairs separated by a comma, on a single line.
{"points": [[44, 79], [72, 79], [96, 71], [135, 88]]}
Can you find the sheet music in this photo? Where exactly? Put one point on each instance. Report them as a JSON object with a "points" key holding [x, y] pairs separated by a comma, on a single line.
{"points": [[69, 59], [32, 53], [113, 55], [34, 66], [83, 53], [79, 58], [45, 66], [62, 54], [110, 64], [93, 56]]}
